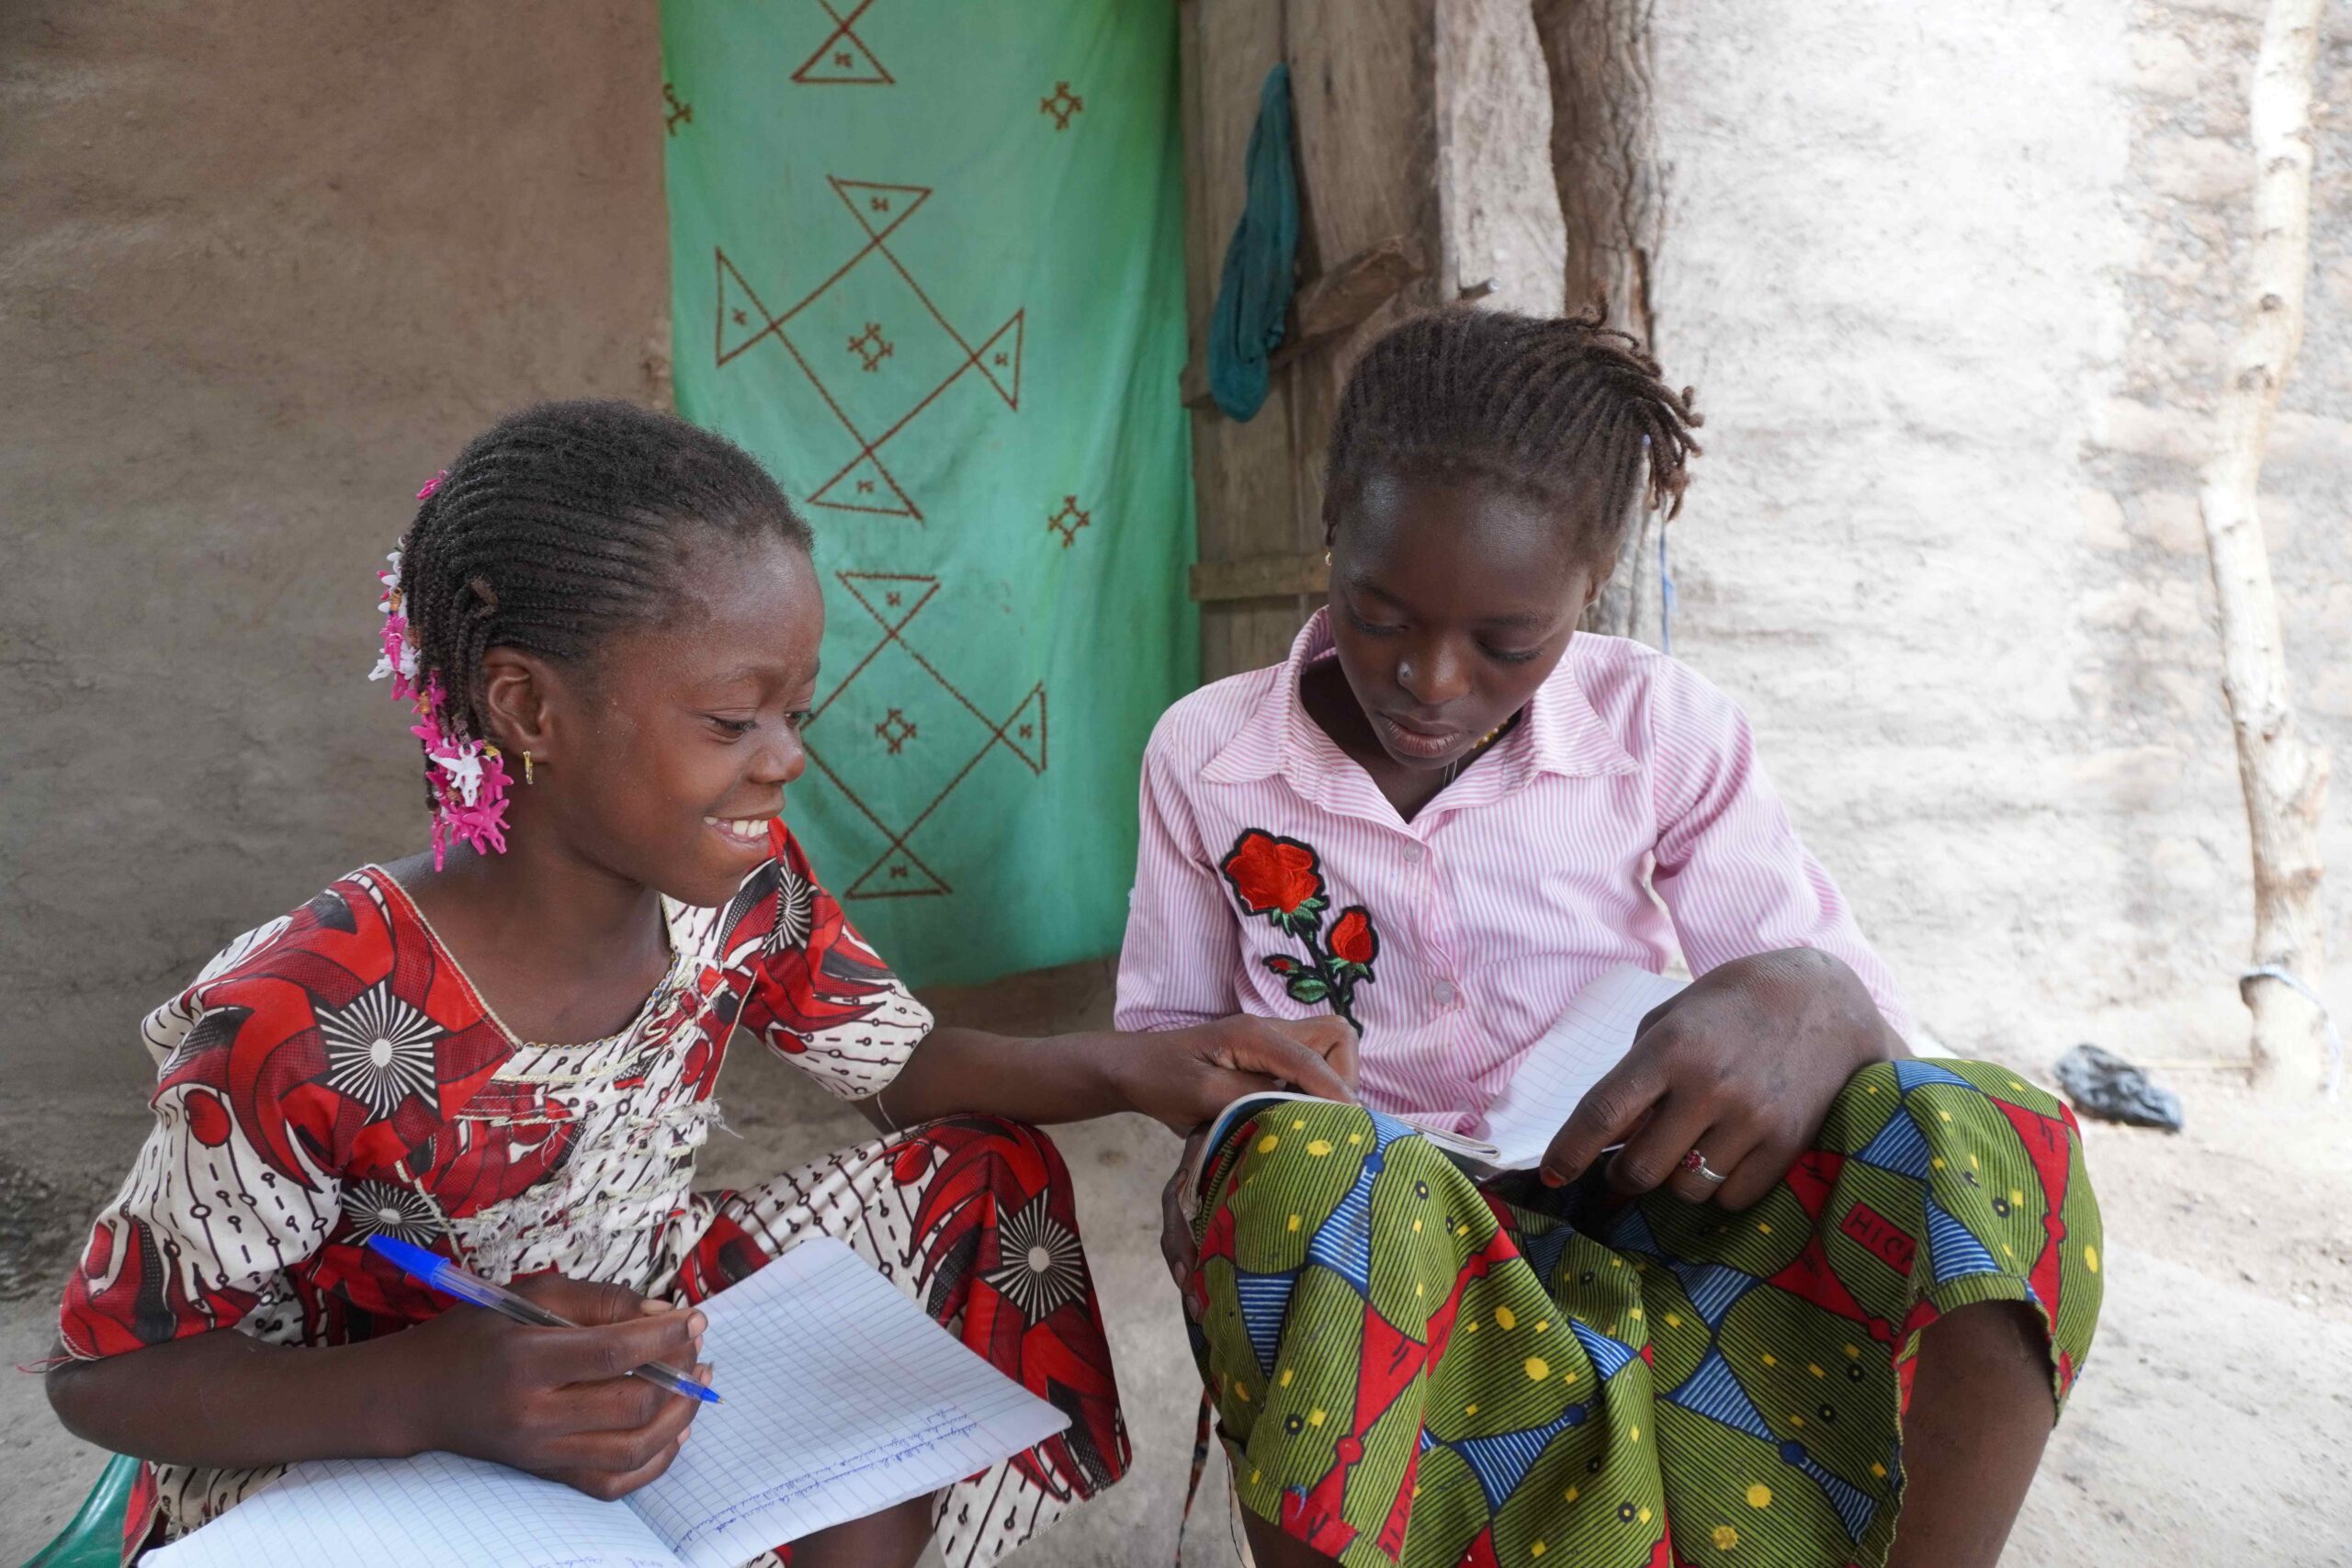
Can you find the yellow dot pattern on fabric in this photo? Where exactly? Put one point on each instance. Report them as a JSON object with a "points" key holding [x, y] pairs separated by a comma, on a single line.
{"points": [[1538, 1369], [2091, 1258], [1316, 1419], [1878, 1471], [1298, 1126], [1938, 1162], [1505, 1318], [1572, 1495], [1241, 1392], [1469, 1410], [1796, 1420], [1535, 1549], [1763, 1227], [1760, 1495], [1417, 1226], [1355, 1138], [1673, 1320], [1815, 1368], [1293, 1222], [1319, 1147], [1945, 1115], [1269, 1143], [1541, 1324], [1771, 1360], [1254, 1476], [1633, 1435], [2016, 1198], [1470, 1327], [1726, 1537], [1852, 1351], [1643, 1515]]}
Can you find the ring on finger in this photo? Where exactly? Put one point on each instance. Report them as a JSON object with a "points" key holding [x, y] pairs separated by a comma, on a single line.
{"points": [[1697, 1162]]}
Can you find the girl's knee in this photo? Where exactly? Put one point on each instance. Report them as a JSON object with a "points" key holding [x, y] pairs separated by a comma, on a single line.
{"points": [[1024, 1151]]}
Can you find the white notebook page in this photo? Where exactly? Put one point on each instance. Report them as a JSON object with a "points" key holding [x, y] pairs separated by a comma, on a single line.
{"points": [[435, 1508], [841, 1398], [1591, 1036]]}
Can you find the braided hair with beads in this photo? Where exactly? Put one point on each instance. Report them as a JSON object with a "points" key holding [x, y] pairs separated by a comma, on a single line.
{"points": [[555, 528], [1567, 409]]}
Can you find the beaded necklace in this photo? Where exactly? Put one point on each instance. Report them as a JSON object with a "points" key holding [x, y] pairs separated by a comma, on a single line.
{"points": [[1454, 769]]}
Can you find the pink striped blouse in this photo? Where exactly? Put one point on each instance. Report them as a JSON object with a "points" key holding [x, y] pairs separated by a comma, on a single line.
{"points": [[1275, 878]]}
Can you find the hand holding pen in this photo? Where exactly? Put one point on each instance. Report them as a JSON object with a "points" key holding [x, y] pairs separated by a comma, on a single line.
{"points": [[560, 1402]]}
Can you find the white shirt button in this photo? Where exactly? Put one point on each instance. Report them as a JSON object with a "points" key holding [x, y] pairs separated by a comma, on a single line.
{"points": [[1446, 994], [1413, 854]]}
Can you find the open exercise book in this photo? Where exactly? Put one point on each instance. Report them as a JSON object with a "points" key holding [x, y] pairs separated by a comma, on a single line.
{"points": [[841, 1399], [1590, 1037]]}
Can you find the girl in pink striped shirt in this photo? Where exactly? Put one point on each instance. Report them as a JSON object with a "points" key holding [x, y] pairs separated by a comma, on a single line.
{"points": [[1441, 819]]}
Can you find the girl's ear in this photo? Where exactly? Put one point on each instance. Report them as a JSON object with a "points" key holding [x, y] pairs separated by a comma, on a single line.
{"points": [[518, 692], [1596, 582]]}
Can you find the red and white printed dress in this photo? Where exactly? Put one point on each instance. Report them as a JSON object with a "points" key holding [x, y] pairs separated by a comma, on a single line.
{"points": [[332, 1075]]}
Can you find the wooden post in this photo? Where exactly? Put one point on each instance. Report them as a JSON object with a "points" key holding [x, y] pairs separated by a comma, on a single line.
{"points": [[2284, 773], [1604, 159]]}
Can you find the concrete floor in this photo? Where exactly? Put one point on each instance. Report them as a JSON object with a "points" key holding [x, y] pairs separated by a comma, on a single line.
{"points": [[2213, 1424]]}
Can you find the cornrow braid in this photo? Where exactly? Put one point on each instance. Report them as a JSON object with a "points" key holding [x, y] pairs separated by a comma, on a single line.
{"points": [[1567, 408], [561, 525]]}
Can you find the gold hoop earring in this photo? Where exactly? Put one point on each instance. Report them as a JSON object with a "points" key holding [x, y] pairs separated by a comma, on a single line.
{"points": [[526, 769], [1327, 557]]}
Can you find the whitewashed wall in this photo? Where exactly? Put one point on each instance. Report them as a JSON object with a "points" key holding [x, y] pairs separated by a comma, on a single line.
{"points": [[1954, 284]]}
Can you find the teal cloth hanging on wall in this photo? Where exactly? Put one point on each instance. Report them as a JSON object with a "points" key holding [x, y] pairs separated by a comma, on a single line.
{"points": [[1253, 293], [928, 264]]}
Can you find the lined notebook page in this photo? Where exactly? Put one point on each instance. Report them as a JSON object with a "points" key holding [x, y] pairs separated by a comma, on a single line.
{"points": [[1591, 1037], [436, 1508], [841, 1399]]}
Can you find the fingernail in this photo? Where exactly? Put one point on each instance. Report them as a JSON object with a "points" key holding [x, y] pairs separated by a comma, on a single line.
{"points": [[1554, 1179], [696, 1323]]}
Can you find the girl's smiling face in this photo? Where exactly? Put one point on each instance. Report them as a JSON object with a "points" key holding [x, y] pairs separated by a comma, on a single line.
{"points": [[666, 758], [1453, 598]]}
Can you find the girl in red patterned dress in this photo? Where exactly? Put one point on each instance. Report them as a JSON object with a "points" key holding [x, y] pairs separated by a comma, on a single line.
{"points": [[506, 1048]]}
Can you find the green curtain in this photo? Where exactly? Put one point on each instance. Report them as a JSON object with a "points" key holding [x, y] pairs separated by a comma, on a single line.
{"points": [[927, 263]]}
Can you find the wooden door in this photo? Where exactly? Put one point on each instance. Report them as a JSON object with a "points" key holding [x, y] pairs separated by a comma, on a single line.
{"points": [[1365, 132]]}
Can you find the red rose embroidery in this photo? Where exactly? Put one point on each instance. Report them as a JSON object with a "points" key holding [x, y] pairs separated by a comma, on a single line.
{"points": [[1277, 878], [1353, 940], [1282, 880]]}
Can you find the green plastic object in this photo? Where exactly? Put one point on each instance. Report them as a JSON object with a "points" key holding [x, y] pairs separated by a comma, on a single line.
{"points": [[93, 1537]]}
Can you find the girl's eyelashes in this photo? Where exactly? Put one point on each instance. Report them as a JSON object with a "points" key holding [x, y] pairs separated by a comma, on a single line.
{"points": [[736, 728], [1370, 628], [1509, 655]]}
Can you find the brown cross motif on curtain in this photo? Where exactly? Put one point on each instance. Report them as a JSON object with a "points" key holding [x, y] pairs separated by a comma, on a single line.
{"points": [[901, 376], [894, 600]]}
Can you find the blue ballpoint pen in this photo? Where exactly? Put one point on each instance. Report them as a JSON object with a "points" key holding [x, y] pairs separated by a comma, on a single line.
{"points": [[431, 1269]]}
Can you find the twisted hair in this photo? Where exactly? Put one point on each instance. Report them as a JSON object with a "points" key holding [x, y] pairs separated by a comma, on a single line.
{"points": [[561, 525], [1566, 409]]}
